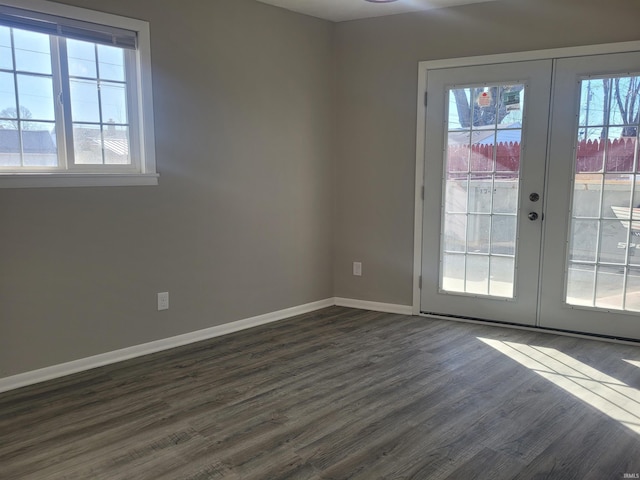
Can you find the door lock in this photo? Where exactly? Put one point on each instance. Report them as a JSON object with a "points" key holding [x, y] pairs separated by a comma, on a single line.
{"points": [[533, 216], [534, 197]]}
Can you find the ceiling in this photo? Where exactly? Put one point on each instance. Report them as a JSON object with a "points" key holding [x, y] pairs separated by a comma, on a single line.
{"points": [[341, 10]]}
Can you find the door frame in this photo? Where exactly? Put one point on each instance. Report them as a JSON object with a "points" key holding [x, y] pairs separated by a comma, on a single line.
{"points": [[421, 122]]}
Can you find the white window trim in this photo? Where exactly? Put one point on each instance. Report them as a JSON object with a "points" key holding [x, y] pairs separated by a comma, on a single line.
{"points": [[144, 108]]}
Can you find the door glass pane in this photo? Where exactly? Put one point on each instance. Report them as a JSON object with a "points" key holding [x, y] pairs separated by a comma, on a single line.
{"points": [[503, 234], [581, 284], [477, 273], [632, 294], [609, 287], [606, 197], [584, 240], [480, 193], [501, 281], [482, 180], [478, 233], [453, 272], [455, 233]]}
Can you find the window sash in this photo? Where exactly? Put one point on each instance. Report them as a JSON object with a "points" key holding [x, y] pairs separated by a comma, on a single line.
{"points": [[67, 28], [64, 119]]}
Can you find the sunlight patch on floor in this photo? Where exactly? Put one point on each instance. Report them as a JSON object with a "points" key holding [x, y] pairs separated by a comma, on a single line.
{"points": [[634, 362], [609, 395]]}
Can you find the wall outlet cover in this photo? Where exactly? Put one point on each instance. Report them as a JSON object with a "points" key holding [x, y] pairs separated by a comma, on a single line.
{"points": [[357, 269], [163, 301]]}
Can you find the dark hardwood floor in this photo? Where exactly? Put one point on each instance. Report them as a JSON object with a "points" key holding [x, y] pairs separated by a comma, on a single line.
{"points": [[336, 394]]}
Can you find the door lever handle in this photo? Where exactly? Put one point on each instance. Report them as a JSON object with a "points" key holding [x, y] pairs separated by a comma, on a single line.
{"points": [[533, 216]]}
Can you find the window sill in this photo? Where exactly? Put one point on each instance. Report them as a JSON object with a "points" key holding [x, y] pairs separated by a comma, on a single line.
{"points": [[35, 180]]}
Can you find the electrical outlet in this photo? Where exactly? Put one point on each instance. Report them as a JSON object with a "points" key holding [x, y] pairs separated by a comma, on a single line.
{"points": [[163, 301], [357, 269]]}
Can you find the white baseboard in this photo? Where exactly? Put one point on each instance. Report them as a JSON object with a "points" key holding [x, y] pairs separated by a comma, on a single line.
{"points": [[375, 306], [88, 363], [56, 371]]}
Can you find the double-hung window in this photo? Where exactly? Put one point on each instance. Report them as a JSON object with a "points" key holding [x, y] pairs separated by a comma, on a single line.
{"points": [[75, 97]]}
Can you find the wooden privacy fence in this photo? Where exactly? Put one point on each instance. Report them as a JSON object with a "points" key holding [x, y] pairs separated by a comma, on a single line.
{"points": [[620, 155]]}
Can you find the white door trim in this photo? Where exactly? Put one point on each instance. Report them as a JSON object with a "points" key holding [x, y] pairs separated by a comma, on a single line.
{"points": [[424, 67]]}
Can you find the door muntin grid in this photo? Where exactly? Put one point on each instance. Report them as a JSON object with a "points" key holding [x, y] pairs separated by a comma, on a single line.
{"points": [[481, 184], [603, 260]]}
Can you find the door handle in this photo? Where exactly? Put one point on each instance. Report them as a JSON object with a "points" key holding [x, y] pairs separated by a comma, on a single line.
{"points": [[533, 216]]}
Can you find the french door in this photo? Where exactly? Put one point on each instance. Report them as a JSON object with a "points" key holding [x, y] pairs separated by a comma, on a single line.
{"points": [[531, 211]]}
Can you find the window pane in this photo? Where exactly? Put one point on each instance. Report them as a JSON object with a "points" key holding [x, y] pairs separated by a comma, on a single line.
{"points": [[111, 63], [87, 143], [116, 145], [7, 96], [460, 106], [33, 51], [82, 59], [114, 103], [9, 146], [38, 144], [84, 101], [35, 97], [6, 59]]}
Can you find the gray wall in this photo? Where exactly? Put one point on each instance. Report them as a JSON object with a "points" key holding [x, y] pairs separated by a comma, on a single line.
{"points": [[376, 101], [241, 222]]}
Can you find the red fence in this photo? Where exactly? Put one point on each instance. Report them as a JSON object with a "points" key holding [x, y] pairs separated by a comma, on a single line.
{"points": [[620, 154]]}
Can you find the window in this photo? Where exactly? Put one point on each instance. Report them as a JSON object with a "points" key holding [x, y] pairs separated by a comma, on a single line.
{"points": [[75, 97]]}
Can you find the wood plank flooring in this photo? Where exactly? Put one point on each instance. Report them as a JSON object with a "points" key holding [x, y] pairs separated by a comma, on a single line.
{"points": [[334, 394]]}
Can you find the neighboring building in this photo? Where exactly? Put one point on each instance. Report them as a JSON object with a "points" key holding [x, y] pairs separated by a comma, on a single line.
{"points": [[38, 146]]}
